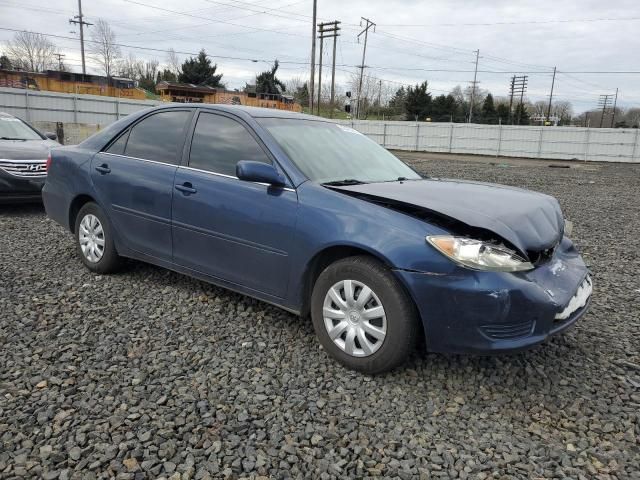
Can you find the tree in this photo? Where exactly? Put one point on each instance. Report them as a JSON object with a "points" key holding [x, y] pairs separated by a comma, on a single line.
{"points": [[397, 102], [148, 75], [502, 112], [173, 63], [5, 63], [166, 75], [199, 71], [267, 82], [103, 48], [489, 109], [522, 114], [417, 102], [31, 51], [443, 108]]}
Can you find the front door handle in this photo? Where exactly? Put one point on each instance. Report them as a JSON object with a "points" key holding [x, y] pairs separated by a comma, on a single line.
{"points": [[103, 169], [186, 188]]}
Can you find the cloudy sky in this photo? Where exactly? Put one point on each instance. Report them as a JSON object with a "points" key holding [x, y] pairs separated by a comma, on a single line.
{"points": [[414, 40]]}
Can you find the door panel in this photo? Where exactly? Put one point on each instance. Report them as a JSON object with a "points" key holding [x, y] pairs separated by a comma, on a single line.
{"points": [[238, 231], [137, 196]]}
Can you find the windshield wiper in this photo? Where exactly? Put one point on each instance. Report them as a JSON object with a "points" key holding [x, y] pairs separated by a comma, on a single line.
{"points": [[13, 138], [342, 183]]}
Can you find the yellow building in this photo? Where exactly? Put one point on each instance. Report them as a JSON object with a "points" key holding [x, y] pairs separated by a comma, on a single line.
{"points": [[187, 93], [68, 82]]}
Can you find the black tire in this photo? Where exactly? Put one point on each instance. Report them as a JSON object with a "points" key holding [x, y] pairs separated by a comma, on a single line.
{"points": [[402, 325], [110, 261]]}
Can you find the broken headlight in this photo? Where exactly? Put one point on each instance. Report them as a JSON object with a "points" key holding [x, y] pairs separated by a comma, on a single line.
{"points": [[479, 255]]}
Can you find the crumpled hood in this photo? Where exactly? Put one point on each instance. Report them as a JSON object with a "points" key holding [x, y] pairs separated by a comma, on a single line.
{"points": [[529, 220], [26, 150]]}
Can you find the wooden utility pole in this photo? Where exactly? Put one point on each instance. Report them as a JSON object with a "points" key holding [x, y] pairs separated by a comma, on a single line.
{"points": [[60, 56], [518, 85], [79, 20], [327, 30], [604, 102], [615, 104], [473, 86], [553, 82], [368, 25], [313, 56]]}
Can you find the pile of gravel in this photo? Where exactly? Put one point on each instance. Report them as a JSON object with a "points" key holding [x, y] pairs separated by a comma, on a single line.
{"points": [[150, 374]]}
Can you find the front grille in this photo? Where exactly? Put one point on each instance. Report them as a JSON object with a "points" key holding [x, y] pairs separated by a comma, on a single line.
{"points": [[506, 332], [24, 168]]}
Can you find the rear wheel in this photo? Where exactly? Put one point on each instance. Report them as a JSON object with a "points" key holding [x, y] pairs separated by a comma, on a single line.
{"points": [[94, 242], [362, 316]]}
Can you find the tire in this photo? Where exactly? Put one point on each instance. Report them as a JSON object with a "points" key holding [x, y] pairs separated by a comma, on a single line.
{"points": [[376, 354], [105, 258]]}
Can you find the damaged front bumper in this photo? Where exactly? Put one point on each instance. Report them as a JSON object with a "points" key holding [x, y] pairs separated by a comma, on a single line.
{"points": [[468, 311]]}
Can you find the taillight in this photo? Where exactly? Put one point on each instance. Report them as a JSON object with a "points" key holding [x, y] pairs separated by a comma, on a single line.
{"points": [[48, 165]]}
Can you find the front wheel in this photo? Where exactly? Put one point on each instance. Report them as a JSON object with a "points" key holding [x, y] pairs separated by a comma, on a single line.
{"points": [[362, 315], [94, 241]]}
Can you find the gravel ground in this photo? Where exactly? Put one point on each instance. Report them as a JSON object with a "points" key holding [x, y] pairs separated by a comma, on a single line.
{"points": [[150, 374]]}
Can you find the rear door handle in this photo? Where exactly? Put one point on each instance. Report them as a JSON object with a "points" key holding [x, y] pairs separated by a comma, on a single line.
{"points": [[186, 188], [103, 169]]}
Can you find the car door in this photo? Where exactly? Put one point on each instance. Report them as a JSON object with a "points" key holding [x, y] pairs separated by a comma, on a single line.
{"points": [[133, 178], [241, 232]]}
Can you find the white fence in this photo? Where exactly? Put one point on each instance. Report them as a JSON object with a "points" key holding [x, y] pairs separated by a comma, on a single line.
{"points": [[569, 143], [38, 106]]}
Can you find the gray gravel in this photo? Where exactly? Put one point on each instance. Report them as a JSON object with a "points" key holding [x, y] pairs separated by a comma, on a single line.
{"points": [[150, 374]]}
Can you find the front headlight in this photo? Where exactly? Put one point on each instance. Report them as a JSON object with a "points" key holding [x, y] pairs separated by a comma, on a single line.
{"points": [[479, 255]]}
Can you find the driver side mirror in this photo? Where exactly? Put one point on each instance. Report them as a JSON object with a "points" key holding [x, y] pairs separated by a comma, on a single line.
{"points": [[51, 135], [259, 172]]}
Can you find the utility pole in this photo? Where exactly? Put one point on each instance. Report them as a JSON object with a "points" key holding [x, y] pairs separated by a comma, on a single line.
{"points": [[473, 86], [518, 86], [333, 70], [615, 103], [553, 82], [604, 101], [59, 55], [368, 25], [327, 30], [379, 97], [313, 55], [79, 20]]}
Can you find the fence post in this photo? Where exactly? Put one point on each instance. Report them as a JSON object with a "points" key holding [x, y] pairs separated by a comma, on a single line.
{"points": [[451, 138], [384, 135], [75, 109], [27, 114], [635, 145], [586, 144], [417, 135], [118, 108], [499, 138], [540, 142]]}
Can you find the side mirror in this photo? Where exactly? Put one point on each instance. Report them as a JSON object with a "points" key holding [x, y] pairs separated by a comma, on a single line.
{"points": [[51, 135], [259, 172]]}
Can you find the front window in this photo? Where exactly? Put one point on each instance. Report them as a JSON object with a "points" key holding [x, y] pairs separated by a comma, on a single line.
{"points": [[331, 153], [12, 128]]}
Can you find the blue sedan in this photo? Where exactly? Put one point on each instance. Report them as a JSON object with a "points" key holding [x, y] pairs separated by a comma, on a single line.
{"points": [[316, 218]]}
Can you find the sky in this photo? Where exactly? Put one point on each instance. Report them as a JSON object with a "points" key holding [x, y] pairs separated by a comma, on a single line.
{"points": [[413, 41]]}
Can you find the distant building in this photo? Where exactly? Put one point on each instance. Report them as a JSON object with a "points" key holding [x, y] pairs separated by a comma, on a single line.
{"points": [[69, 82], [188, 93]]}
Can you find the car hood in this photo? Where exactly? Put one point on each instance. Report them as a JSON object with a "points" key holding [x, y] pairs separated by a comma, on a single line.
{"points": [[27, 149], [530, 221]]}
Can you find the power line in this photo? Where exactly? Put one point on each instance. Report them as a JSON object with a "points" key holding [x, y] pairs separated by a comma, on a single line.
{"points": [[524, 22]]}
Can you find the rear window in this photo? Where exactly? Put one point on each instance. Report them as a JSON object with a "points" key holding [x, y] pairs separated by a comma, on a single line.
{"points": [[158, 137]]}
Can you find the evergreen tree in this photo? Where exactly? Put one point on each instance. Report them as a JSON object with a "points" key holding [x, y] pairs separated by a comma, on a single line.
{"points": [[417, 102], [301, 95], [489, 110], [397, 102], [166, 75], [5, 63], [267, 82], [199, 71], [502, 112], [443, 107], [521, 112]]}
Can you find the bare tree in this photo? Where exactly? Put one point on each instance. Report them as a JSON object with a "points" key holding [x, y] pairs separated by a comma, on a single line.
{"points": [[174, 62], [129, 67], [31, 51], [103, 48]]}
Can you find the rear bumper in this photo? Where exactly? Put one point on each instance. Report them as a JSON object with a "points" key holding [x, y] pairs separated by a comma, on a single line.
{"points": [[16, 189], [487, 312]]}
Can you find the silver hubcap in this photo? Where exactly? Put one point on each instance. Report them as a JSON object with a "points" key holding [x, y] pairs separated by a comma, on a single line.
{"points": [[354, 318], [91, 238]]}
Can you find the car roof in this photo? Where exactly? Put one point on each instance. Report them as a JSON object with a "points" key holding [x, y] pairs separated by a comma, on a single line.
{"points": [[255, 112], [6, 115]]}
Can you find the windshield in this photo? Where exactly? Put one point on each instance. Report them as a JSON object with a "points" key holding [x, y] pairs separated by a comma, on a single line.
{"points": [[327, 152], [12, 128]]}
